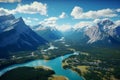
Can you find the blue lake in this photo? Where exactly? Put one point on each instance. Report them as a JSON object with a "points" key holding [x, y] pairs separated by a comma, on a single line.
{"points": [[55, 64]]}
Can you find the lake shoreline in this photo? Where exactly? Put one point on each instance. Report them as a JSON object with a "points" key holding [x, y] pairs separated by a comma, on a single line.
{"points": [[50, 58], [72, 69], [54, 64], [33, 60], [77, 73]]}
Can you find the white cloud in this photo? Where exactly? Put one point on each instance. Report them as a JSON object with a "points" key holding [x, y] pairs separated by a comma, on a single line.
{"points": [[52, 22], [96, 21], [64, 27], [10, 1], [117, 22], [82, 24], [33, 8], [63, 15], [4, 11], [118, 10], [49, 21], [27, 21], [35, 19], [78, 13], [31, 21]]}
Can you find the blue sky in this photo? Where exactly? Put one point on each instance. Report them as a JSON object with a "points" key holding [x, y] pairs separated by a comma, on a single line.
{"points": [[61, 12]]}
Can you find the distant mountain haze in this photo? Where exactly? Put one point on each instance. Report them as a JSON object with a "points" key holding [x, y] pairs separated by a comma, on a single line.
{"points": [[48, 33]]}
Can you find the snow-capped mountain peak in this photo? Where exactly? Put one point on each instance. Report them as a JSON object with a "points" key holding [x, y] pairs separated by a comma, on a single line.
{"points": [[47, 32], [104, 31], [15, 33]]}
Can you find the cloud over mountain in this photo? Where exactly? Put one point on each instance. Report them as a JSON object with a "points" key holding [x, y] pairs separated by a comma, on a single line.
{"points": [[51, 21], [78, 13]]}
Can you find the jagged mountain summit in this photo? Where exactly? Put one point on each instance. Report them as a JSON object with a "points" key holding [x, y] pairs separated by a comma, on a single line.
{"points": [[15, 35], [48, 33], [104, 33]]}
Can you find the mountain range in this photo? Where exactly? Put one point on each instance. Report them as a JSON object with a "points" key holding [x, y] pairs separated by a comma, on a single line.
{"points": [[103, 33], [15, 35]]}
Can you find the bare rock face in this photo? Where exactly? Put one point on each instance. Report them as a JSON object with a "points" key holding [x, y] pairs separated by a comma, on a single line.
{"points": [[104, 32]]}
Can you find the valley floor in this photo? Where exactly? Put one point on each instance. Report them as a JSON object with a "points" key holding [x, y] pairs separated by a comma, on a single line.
{"points": [[93, 67], [46, 52]]}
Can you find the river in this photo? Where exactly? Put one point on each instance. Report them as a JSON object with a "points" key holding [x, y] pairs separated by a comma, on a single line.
{"points": [[55, 64]]}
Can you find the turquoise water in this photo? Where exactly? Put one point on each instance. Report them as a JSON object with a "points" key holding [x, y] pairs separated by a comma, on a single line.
{"points": [[55, 64]]}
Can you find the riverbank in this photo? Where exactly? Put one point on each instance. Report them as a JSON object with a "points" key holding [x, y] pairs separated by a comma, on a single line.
{"points": [[80, 70], [91, 66], [43, 52], [25, 73], [54, 64], [27, 58]]}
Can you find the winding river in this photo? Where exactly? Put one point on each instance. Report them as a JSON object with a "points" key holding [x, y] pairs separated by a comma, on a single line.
{"points": [[55, 64]]}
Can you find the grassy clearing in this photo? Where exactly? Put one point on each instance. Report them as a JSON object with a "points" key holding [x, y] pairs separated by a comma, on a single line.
{"points": [[55, 77], [83, 69]]}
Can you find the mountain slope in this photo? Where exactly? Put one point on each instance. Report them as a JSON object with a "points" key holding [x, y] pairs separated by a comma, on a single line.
{"points": [[75, 36], [104, 33], [15, 35]]}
